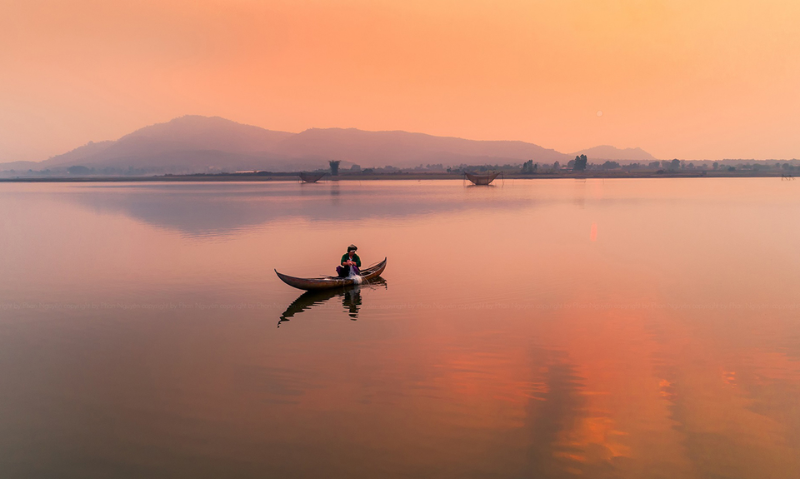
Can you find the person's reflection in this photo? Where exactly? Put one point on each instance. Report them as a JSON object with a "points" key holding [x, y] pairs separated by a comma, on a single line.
{"points": [[351, 300], [579, 193], [335, 200]]}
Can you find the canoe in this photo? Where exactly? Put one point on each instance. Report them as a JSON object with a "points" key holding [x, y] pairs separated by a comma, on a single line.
{"points": [[311, 177], [481, 179], [326, 282]]}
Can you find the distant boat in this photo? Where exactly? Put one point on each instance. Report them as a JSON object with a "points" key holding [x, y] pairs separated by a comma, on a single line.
{"points": [[326, 282], [481, 179], [311, 177]]}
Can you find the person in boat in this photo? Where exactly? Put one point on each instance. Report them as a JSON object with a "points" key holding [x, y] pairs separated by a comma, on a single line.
{"points": [[350, 262]]}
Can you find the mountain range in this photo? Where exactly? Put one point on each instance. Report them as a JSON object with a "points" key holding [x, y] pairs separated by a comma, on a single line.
{"points": [[197, 144]]}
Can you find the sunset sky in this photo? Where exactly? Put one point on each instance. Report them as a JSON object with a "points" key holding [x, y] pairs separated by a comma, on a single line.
{"points": [[693, 79]]}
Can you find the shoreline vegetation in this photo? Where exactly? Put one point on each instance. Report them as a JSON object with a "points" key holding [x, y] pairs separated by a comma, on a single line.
{"points": [[294, 176], [579, 168]]}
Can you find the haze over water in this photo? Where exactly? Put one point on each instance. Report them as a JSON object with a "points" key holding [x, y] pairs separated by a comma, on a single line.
{"points": [[537, 328]]}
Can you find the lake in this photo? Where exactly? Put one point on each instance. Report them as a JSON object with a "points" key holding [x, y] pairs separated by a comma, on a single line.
{"points": [[630, 328]]}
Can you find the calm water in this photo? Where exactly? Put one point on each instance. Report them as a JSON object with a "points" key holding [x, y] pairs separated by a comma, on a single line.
{"points": [[548, 329]]}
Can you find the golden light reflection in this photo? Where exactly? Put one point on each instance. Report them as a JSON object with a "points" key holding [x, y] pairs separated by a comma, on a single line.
{"points": [[569, 360]]}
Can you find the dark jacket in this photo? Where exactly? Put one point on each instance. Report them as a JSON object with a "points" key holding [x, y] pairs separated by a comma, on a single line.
{"points": [[346, 257]]}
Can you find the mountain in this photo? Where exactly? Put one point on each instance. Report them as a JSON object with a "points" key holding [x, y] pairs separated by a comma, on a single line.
{"points": [[79, 154], [404, 149], [191, 143], [197, 143], [607, 152]]}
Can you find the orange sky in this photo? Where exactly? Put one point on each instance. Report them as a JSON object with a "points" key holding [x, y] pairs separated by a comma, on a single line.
{"points": [[680, 78]]}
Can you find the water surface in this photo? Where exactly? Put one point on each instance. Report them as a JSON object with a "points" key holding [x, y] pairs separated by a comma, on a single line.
{"points": [[552, 328]]}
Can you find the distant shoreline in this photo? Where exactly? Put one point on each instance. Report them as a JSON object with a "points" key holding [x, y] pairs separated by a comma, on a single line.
{"points": [[284, 177]]}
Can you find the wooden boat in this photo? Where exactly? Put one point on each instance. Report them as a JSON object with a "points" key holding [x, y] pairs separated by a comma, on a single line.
{"points": [[481, 179], [326, 282], [311, 177]]}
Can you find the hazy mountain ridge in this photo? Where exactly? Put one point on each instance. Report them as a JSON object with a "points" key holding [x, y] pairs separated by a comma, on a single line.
{"points": [[81, 153], [405, 149], [187, 142], [196, 143], [201, 133]]}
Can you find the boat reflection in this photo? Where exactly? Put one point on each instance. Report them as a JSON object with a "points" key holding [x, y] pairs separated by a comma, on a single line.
{"points": [[351, 299]]}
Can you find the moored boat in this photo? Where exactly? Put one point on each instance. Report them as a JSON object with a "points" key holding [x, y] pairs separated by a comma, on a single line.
{"points": [[310, 177], [481, 180], [326, 282]]}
